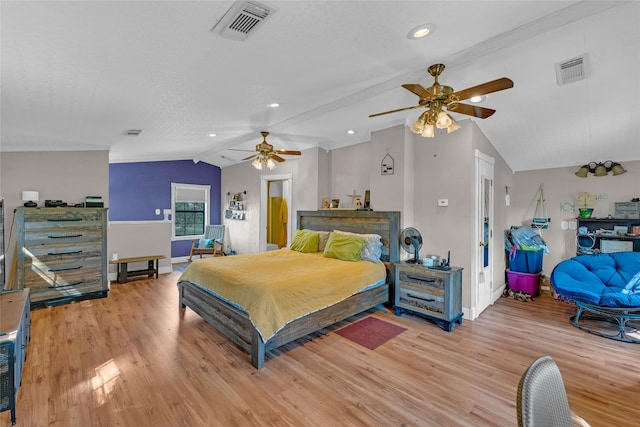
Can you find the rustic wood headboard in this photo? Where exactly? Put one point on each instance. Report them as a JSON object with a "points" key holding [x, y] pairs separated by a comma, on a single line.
{"points": [[386, 224]]}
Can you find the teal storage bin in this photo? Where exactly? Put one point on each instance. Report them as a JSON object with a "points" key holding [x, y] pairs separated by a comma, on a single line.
{"points": [[526, 261]]}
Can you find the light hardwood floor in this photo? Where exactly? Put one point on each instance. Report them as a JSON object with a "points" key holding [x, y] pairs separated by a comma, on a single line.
{"points": [[135, 359]]}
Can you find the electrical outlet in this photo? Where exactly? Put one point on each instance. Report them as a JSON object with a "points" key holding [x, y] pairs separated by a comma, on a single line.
{"points": [[601, 196]]}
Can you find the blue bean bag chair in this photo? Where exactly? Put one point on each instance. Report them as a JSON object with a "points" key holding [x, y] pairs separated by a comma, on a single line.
{"points": [[604, 280]]}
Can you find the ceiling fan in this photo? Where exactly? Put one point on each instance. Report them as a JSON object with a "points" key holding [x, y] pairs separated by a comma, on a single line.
{"points": [[437, 97], [265, 154]]}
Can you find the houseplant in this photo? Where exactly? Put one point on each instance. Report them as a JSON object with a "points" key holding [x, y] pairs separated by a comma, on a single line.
{"points": [[585, 199]]}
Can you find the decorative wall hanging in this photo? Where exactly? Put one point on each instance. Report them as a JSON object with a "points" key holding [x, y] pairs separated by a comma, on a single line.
{"points": [[386, 166]]}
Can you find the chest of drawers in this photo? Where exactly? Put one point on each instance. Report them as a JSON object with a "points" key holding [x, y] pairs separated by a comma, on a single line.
{"points": [[15, 325], [434, 294], [62, 255]]}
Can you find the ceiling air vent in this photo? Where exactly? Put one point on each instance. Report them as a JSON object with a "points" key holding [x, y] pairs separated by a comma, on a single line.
{"points": [[571, 70], [132, 132], [242, 20]]}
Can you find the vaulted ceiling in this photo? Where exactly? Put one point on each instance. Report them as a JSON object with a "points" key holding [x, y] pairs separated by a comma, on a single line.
{"points": [[76, 74]]}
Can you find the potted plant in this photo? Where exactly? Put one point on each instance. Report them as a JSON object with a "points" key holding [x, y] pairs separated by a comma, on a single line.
{"points": [[585, 199]]}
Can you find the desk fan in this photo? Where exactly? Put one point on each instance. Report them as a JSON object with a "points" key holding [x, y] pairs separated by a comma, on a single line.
{"points": [[411, 241]]}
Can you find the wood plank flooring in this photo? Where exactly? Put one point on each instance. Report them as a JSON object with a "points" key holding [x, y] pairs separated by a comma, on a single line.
{"points": [[135, 359]]}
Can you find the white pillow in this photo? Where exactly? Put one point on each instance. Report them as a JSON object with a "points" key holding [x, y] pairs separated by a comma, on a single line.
{"points": [[372, 250]]}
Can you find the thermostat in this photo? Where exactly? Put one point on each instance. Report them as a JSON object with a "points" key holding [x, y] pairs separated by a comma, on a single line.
{"points": [[443, 202]]}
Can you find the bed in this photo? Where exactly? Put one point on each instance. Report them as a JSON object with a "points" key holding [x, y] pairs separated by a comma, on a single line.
{"points": [[235, 322]]}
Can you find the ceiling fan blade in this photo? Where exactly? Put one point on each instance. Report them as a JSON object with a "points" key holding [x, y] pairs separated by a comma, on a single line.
{"points": [[395, 111], [276, 157], [485, 88], [238, 149], [289, 152], [417, 89], [250, 157], [472, 110]]}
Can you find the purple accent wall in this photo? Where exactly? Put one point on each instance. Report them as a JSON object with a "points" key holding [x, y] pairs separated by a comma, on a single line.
{"points": [[136, 190]]}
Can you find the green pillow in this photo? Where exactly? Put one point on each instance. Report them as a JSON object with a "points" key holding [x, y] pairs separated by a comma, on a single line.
{"points": [[305, 241], [344, 247]]}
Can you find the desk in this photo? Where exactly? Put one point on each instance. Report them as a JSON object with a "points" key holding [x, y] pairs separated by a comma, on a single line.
{"points": [[124, 274]]}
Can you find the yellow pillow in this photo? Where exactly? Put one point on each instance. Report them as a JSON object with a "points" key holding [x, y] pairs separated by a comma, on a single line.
{"points": [[305, 241], [346, 248]]}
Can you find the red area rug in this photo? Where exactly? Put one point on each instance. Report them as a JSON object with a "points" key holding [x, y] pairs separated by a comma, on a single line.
{"points": [[370, 332]]}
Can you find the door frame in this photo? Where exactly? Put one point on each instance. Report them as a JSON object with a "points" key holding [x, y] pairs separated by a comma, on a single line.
{"points": [[287, 183], [484, 169]]}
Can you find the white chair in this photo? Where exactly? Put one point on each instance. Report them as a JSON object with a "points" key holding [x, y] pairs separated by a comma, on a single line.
{"points": [[542, 398], [211, 232]]}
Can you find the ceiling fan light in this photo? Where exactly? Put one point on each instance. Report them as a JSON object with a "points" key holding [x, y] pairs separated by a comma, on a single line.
{"points": [[583, 171], [428, 131], [257, 163], [443, 121], [617, 169], [454, 126], [601, 170], [417, 127], [271, 164]]}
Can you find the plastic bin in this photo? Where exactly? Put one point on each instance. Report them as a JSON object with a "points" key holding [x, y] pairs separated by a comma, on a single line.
{"points": [[526, 261], [524, 282]]}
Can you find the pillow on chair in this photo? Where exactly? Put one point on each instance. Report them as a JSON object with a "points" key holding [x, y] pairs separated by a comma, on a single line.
{"points": [[205, 243]]}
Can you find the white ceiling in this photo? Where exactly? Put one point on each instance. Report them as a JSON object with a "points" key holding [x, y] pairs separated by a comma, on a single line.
{"points": [[76, 74]]}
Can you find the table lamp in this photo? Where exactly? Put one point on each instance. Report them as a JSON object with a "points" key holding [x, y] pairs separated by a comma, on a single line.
{"points": [[30, 198]]}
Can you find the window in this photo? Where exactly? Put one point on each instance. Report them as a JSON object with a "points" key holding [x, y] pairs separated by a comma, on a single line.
{"points": [[190, 203]]}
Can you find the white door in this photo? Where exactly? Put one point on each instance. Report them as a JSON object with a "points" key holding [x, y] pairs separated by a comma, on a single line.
{"points": [[484, 236]]}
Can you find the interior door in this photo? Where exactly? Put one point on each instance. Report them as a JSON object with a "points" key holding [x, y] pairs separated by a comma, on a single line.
{"points": [[484, 236]]}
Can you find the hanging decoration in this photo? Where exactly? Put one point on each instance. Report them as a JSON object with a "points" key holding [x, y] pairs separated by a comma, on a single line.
{"points": [[386, 166]]}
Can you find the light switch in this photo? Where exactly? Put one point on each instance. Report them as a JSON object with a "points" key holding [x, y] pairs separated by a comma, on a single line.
{"points": [[443, 202]]}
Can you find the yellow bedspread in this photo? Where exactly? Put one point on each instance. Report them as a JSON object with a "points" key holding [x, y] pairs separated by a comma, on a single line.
{"points": [[276, 287]]}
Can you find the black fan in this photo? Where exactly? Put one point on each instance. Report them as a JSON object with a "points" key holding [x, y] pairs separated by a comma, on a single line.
{"points": [[411, 241]]}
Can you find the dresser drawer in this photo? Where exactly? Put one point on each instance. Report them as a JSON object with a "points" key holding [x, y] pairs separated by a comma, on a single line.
{"points": [[61, 216], [88, 286], [64, 273]]}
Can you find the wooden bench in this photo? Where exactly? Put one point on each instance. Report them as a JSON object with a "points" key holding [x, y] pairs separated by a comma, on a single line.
{"points": [[124, 274]]}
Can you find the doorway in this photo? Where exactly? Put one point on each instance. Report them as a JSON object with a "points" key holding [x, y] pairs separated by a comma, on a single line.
{"points": [[482, 277], [275, 211]]}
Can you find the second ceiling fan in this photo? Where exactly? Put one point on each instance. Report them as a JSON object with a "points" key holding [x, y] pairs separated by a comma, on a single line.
{"points": [[265, 154], [437, 97]]}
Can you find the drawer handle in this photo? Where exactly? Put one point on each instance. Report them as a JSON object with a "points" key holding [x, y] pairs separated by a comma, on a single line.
{"points": [[422, 279], [66, 236], [65, 253], [64, 219], [65, 269], [422, 298], [66, 286]]}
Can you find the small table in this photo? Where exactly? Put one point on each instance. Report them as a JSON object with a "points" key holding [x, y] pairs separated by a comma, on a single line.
{"points": [[124, 274]]}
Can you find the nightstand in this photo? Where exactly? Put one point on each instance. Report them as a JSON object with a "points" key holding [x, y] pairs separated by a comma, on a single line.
{"points": [[434, 294]]}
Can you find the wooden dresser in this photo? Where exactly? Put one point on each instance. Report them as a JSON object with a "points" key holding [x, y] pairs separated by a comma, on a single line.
{"points": [[15, 323], [435, 294], [62, 254]]}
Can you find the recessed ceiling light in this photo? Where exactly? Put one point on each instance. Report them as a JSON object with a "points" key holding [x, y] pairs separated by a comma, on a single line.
{"points": [[421, 31], [351, 132], [477, 99], [273, 105], [213, 134]]}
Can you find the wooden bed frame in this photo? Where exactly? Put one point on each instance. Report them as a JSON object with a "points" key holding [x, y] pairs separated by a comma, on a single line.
{"points": [[235, 324]]}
